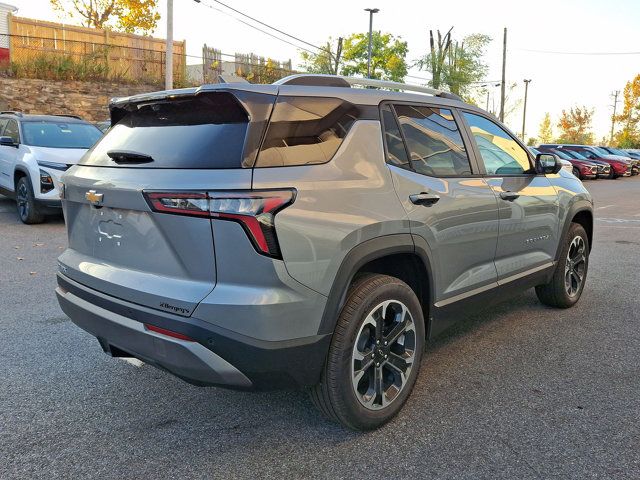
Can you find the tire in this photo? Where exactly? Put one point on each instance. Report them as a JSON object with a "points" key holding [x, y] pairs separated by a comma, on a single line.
{"points": [[565, 288], [25, 202], [577, 174], [612, 174], [347, 391]]}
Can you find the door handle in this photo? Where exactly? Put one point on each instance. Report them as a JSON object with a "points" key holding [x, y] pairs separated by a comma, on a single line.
{"points": [[426, 199], [509, 196]]}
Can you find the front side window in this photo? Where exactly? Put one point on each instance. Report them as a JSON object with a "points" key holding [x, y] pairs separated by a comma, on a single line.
{"points": [[500, 153], [433, 141], [60, 134], [306, 131], [11, 130]]}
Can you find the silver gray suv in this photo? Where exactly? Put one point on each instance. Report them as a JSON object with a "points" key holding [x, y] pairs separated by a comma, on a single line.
{"points": [[310, 234]]}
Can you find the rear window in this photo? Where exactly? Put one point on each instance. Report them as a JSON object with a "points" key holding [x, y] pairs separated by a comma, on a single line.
{"points": [[206, 131], [306, 131], [60, 134]]}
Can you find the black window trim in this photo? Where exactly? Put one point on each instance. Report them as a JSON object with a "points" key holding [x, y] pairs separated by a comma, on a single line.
{"points": [[478, 155], [475, 170]]}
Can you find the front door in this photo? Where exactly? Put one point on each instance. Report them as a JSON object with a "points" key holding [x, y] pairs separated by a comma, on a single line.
{"points": [[450, 206], [527, 202]]}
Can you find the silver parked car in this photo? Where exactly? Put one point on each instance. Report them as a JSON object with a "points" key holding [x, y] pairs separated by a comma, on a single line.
{"points": [[310, 234]]}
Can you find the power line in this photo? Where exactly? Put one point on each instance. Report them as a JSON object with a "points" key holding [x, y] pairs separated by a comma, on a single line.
{"points": [[255, 28], [553, 52], [266, 25]]}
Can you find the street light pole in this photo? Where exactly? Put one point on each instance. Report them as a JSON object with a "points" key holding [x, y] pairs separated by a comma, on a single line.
{"points": [[371, 12], [168, 60], [524, 112]]}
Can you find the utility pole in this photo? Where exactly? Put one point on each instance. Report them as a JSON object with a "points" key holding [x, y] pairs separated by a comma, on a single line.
{"points": [[524, 112], [613, 117], [168, 59], [371, 12], [504, 71]]}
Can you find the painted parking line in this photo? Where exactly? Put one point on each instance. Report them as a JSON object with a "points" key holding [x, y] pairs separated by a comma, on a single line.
{"points": [[630, 221], [605, 206]]}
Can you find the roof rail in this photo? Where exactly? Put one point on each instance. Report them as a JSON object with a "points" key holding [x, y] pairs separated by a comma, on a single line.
{"points": [[11, 112], [341, 81], [65, 115]]}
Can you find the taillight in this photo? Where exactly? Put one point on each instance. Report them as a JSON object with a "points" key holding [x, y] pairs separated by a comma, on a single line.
{"points": [[255, 210]]}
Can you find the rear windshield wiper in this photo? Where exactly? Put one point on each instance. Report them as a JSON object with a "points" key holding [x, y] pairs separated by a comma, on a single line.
{"points": [[127, 156]]}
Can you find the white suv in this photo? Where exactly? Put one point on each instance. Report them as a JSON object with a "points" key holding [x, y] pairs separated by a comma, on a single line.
{"points": [[35, 150]]}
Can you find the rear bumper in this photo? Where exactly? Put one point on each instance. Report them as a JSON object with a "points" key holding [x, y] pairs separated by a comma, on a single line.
{"points": [[215, 357]]}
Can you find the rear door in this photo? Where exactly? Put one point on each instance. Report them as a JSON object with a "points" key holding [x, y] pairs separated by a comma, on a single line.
{"points": [[117, 244], [528, 203], [449, 204]]}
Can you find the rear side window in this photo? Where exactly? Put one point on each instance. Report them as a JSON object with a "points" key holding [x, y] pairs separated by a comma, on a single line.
{"points": [[433, 140], [305, 131], [206, 131], [396, 153]]}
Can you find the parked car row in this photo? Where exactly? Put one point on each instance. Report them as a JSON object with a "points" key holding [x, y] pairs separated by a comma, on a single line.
{"points": [[591, 162]]}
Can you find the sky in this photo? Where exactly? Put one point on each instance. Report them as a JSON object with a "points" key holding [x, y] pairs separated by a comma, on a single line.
{"points": [[535, 29]]}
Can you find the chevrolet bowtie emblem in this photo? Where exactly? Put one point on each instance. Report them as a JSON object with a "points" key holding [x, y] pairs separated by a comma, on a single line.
{"points": [[94, 198]]}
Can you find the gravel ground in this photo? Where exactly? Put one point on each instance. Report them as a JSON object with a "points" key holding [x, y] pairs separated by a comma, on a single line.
{"points": [[517, 391]]}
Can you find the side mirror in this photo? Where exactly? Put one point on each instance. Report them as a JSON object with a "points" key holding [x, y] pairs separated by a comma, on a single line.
{"points": [[548, 163], [7, 142]]}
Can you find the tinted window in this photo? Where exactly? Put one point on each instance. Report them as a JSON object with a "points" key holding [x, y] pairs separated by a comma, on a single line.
{"points": [[3, 123], [60, 134], [205, 131], [305, 131], [11, 130], [433, 140], [396, 153], [500, 153]]}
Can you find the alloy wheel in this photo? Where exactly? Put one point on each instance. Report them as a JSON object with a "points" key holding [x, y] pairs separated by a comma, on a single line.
{"points": [[22, 198], [575, 266], [383, 354]]}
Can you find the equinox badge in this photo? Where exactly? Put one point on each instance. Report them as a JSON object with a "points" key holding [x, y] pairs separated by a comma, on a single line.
{"points": [[94, 198]]}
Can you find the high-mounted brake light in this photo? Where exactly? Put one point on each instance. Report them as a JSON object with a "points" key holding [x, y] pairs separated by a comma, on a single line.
{"points": [[255, 210]]}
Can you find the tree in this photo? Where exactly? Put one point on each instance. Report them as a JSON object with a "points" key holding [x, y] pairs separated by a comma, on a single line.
{"points": [[629, 135], [455, 64], [129, 16], [545, 133], [532, 141], [575, 126], [387, 56], [327, 61]]}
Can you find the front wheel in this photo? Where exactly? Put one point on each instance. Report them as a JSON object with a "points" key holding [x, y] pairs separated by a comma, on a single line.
{"points": [[375, 354], [27, 209], [567, 283]]}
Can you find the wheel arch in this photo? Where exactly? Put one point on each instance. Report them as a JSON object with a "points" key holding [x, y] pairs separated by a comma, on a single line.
{"points": [[394, 255], [18, 173]]}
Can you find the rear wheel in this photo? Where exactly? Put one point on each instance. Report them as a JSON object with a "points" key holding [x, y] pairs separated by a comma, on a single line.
{"points": [[27, 209], [567, 283], [374, 356]]}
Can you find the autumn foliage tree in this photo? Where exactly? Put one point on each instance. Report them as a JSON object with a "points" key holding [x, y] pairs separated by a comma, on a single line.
{"points": [[629, 119], [545, 133], [387, 56], [575, 126], [131, 16]]}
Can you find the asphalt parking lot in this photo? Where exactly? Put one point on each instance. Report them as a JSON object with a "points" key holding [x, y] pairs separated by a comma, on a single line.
{"points": [[517, 391]]}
